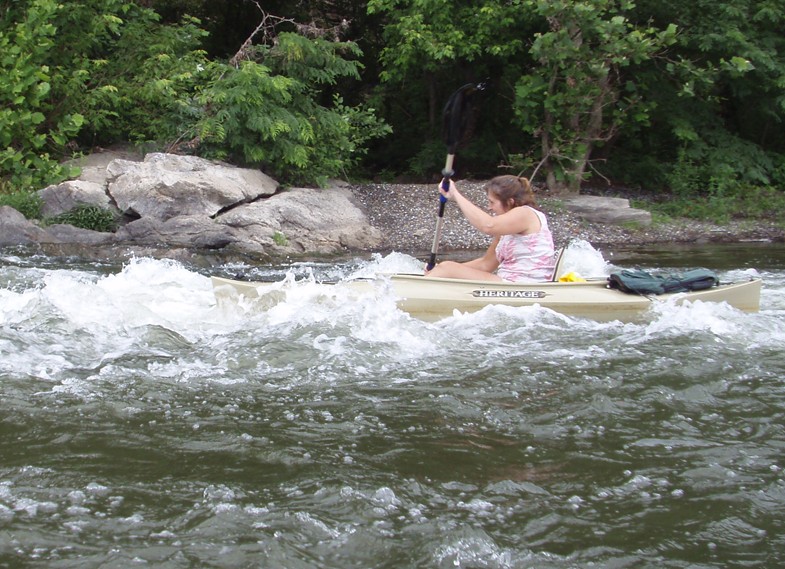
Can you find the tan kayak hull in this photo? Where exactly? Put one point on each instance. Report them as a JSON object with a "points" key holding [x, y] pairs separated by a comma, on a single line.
{"points": [[435, 298]]}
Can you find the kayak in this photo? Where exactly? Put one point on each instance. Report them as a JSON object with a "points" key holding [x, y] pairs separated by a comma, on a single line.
{"points": [[431, 298]]}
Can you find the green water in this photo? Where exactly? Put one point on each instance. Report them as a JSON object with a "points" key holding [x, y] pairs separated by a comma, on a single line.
{"points": [[142, 425]]}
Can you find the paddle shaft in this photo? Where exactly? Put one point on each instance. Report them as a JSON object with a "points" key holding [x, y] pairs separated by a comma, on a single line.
{"points": [[447, 174]]}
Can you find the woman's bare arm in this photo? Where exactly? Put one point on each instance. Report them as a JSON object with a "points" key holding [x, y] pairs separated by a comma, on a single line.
{"points": [[517, 220]]}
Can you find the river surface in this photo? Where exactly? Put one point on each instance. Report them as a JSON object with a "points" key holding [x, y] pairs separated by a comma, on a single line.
{"points": [[144, 425]]}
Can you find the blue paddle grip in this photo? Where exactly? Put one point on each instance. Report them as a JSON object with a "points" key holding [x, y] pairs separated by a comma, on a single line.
{"points": [[447, 174]]}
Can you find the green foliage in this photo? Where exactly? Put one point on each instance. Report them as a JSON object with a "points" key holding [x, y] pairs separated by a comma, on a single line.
{"points": [[267, 112], [718, 165], [588, 84], [719, 181], [425, 162], [157, 81], [719, 102], [431, 47], [132, 77], [280, 239], [28, 132], [365, 126], [597, 81], [581, 94], [722, 205], [95, 71], [761, 203], [87, 217], [26, 203], [428, 35]]}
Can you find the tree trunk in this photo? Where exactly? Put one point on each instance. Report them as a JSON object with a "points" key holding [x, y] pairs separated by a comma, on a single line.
{"points": [[592, 132]]}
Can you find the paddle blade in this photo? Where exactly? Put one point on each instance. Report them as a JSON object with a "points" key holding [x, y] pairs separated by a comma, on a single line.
{"points": [[457, 115]]}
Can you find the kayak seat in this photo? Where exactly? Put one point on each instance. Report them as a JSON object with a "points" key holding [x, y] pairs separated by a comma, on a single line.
{"points": [[558, 265]]}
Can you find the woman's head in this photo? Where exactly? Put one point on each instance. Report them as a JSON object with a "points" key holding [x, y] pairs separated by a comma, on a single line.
{"points": [[511, 191]]}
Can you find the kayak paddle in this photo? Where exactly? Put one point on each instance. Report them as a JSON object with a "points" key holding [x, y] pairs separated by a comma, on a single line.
{"points": [[455, 118]]}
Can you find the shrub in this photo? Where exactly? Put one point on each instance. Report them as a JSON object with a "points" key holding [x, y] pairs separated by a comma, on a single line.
{"points": [[26, 203], [87, 217], [276, 111]]}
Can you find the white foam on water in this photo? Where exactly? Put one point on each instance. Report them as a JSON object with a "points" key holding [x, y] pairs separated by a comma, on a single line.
{"points": [[78, 320], [370, 316], [717, 318], [694, 316], [16, 307], [158, 321], [146, 292], [387, 264], [584, 260], [157, 307]]}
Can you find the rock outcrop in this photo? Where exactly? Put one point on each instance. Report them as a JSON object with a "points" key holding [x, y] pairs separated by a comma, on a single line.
{"points": [[609, 210], [168, 201], [15, 229]]}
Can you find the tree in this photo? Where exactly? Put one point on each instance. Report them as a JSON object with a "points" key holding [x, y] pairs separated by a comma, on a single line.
{"points": [[720, 101], [271, 105], [582, 94], [562, 68], [91, 72], [103, 71]]}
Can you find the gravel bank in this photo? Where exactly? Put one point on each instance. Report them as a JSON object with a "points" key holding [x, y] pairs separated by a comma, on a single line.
{"points": [[407, 214]]}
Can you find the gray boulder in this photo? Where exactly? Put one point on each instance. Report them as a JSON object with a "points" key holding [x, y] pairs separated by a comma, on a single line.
{"points": [[15, 229], [188, 231], [63, 233], [93, 166], [303, 220], [184, 202], [600, 209], [64, 197], [166, 186]]}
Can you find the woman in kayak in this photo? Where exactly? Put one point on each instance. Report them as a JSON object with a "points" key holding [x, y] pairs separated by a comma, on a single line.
{"points": [[522, 247]]}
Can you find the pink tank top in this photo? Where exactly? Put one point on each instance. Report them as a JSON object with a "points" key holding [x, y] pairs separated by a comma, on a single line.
{"points": [[527, 257]]}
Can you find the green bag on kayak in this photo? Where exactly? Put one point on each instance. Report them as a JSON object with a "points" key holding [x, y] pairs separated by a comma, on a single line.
{"points": [[641, 282]]}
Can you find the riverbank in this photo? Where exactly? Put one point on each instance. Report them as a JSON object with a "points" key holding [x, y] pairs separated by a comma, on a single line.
{"points": [[406, 214], [225, 214]]}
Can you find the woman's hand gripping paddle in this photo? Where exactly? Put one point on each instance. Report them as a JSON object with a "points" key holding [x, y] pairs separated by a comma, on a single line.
{"points": [[455, 118]]}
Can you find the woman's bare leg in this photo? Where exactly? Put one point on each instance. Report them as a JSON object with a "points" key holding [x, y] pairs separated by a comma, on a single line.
{"points": [[453, 270]]}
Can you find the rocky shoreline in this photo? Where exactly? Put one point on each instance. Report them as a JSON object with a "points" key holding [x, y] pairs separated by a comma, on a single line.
{"points": [[406, 214]]}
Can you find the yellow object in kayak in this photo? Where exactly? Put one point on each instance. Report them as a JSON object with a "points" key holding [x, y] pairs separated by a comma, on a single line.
{"points": [[571, 277]]}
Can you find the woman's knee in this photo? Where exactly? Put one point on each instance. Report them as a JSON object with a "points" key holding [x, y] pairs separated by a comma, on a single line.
{"points": [[455, 270], [445, 269]]}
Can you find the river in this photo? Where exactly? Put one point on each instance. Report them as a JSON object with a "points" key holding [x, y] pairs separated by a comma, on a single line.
{"points": [[144, 425]]}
